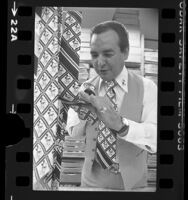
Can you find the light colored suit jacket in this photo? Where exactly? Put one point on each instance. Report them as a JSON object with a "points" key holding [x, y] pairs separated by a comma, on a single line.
{"points": [[132, 159]]}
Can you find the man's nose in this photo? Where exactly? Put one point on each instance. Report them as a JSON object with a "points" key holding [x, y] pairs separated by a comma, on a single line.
{"points": [[101, 61]]}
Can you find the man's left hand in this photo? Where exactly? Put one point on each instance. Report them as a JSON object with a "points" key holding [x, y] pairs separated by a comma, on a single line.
{"points": [[104, 110]]}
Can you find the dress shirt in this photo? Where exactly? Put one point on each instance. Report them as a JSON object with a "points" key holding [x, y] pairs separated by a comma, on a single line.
{"points": [[143, 134]]}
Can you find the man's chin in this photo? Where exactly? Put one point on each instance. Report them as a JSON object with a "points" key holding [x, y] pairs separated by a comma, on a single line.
{"points": [[103, 76], [106, 78]]}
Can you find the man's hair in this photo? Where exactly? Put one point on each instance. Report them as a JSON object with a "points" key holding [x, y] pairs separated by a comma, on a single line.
{"points": [[118, 28]]}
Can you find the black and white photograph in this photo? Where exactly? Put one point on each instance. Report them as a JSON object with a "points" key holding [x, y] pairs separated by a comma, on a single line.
{"points": [[95, 99]]}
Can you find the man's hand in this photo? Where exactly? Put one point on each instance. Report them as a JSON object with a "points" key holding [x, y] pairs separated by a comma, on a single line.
{"points": [[104, 110]]}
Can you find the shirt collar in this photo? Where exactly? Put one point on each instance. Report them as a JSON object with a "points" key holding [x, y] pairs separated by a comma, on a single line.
{"points": [[122, 80]]}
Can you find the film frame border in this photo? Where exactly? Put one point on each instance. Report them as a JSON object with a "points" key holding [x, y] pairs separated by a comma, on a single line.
{"points": [[168, 90]]}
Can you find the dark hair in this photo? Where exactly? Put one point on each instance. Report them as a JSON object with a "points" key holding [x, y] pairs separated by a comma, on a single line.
{"points": [[119, 28]]}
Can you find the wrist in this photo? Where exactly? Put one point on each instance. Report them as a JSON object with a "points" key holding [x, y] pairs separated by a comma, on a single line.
{"points": [[120, 125], [123, 127]]}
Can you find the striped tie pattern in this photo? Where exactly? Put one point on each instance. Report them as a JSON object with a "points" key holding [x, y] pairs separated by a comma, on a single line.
{"points": [[50, 81], [67, 79], [106, 140]]}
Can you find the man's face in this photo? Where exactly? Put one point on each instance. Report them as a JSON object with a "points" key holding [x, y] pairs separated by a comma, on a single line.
{"points": [[107, 58]]}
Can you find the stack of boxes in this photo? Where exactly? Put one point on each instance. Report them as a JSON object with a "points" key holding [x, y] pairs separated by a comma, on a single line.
{"points": [[151, 64], [72, 161], [152, 169], [85, 57], [151, 72]]}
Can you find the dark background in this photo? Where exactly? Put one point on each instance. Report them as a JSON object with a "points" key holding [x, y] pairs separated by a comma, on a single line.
{"points": [[11, 127]]}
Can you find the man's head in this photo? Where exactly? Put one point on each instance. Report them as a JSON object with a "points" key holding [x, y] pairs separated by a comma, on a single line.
{"points": [[109, 49]]}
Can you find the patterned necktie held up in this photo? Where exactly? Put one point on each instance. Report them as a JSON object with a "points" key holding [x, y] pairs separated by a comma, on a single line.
{"points": [[106, 139], [80, 105]]}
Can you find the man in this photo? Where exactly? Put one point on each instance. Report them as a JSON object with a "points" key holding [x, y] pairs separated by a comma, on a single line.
{"points": [[131, 117]]}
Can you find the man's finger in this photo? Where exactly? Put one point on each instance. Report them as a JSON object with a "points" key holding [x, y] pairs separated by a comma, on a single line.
{"points": [[84, 96], [91, 108], [93, 100]]}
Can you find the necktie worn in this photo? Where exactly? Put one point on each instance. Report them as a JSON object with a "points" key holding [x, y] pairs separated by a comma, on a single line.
{"points": [[106, 140]]}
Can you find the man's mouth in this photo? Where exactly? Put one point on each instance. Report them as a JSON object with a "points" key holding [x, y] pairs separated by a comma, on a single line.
{"points": [[103, 71]]}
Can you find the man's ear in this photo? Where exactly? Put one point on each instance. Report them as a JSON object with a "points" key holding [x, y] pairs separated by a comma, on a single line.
{"points": [[126, 53]]}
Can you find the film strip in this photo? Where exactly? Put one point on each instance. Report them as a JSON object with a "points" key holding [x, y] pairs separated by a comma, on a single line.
{"points": [[171, 98]]}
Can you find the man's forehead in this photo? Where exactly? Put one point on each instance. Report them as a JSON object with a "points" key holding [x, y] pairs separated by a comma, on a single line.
{"points": [[104, 50], [107, 36], [104, 42], [102, 46]]}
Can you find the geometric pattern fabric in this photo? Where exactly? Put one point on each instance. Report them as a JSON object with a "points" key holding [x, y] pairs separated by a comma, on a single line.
{"points": [[49, 117], [106, 140]]}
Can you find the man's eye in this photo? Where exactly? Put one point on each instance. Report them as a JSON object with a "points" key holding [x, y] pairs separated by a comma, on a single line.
{"points": [[94, 55], [108, 55]]}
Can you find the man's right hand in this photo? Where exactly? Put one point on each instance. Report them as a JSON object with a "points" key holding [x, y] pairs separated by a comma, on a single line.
{"points": [[85, 95]]}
